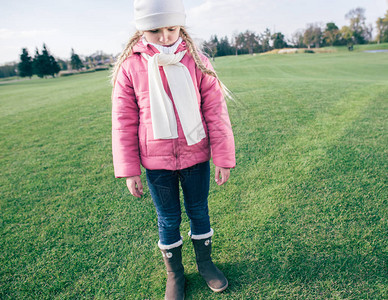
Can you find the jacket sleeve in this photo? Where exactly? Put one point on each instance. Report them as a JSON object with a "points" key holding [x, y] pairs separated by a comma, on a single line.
{"points": [[216, 116], [125, 123]]}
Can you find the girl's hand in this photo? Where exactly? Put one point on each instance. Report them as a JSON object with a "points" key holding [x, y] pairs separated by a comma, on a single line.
{"points": [[222, 175], [134, 186]]}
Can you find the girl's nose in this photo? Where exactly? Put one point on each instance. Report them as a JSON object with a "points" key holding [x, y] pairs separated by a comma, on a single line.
{"points": [[164, 36]]}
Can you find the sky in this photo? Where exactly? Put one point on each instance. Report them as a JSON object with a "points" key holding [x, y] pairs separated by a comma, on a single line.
{"points": [[88, 26]]}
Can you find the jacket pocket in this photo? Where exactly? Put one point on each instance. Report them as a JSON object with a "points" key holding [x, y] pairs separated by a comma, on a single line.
{"points": [[158, 147]]}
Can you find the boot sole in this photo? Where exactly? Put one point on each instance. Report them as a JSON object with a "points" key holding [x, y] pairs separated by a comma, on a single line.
{"points": [[220, 289]]}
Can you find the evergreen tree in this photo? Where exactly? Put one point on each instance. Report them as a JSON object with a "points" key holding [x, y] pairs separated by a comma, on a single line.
{"points": [[51, 65], [46, 61], [76, 62], [223, 47], [331, 35], [37, 64], [25, 65], [278, 40], [45, 64], [211, 46], [54, 67]]}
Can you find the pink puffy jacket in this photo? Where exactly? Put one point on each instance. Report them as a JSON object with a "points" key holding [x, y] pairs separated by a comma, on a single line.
{"points": [[132, 138]]}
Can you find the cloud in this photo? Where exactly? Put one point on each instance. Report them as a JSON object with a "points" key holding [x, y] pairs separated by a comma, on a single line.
{"points": [[6, 34], [227, 16], [227, 11]]}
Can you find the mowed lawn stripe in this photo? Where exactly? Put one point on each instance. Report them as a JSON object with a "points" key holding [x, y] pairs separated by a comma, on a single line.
{"points": [[266, 192], [302, 216]]}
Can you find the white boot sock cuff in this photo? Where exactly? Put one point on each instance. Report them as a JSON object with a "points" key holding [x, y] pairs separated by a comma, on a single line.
{"points": [[201, 236], [168, 247]]}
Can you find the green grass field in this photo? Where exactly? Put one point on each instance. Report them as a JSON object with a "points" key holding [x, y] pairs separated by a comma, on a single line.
{"points": [[304, 215]]}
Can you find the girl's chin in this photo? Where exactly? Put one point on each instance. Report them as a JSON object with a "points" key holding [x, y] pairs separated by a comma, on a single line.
{"points": [[169, 45]]}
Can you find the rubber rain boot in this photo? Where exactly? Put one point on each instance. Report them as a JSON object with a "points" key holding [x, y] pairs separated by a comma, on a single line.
{"points": [[214, 278], [175, 286]]}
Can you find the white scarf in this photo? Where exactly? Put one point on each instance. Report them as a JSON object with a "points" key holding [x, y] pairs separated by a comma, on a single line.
{"points": [[164, 123]]}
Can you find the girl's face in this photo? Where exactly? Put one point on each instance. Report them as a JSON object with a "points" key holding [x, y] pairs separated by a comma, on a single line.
{"points": [[166, 36]]}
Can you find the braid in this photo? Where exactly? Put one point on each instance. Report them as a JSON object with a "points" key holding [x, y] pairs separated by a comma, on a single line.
{"points": [[200, 65], [123, 56], [194, 53]]}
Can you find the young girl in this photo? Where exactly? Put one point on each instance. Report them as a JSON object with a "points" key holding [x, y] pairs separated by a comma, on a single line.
{"points": [[170, 116]]}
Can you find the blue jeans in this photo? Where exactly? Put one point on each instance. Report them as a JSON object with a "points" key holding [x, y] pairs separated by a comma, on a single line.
{"points": [[164, 188]]}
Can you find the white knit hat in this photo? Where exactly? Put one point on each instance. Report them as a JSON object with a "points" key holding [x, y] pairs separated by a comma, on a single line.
{"points": [[152, 14]]}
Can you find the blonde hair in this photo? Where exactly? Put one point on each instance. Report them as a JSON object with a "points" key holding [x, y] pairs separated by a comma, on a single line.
{"points": [[126, 53], [194, 51]]}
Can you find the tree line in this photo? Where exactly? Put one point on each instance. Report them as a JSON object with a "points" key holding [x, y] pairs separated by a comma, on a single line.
{"points": [[313, 36], [43, 64]]}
